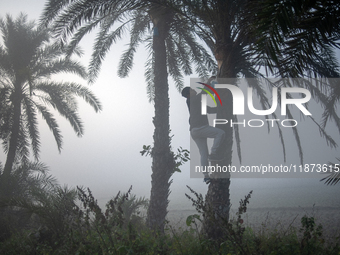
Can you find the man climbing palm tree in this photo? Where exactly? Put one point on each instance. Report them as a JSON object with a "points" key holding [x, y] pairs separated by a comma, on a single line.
{"points": [[200, 129]]}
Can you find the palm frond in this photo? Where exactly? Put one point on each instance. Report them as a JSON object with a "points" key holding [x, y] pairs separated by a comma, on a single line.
{"points": [[79, 35], [183, 58], [173, 66], [67, 89], [101, 48], [23, 152], [139, 26], [203, 61], [80, 91], [149, 73], [51, 10], [76, 13], [237, 138], [297, 137], [281, 138], [64, 103], [333, 175], [126, 62], [32, 124], [61, 66], [52, 124], [329, 140], [292, 37]]}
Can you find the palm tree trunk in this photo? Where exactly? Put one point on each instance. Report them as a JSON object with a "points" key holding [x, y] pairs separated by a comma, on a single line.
{"points": [[163, 161], [13, 143], [217, 198], [5, 180]]}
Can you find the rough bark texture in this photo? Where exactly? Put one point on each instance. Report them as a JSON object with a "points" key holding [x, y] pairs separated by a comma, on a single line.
{"points": [[163, 160], [6, 180], [13, 142], [217, 198]]}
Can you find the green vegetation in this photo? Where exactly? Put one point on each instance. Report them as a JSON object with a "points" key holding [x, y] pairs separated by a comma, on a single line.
{"points": [[71, 222]]}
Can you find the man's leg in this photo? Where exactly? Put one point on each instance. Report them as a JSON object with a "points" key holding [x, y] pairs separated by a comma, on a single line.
{"points": [[202, 145], [218, 135], [210, 132]]}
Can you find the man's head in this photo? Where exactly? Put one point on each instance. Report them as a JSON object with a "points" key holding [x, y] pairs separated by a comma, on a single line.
{"points": [[187, 91], [211, 79]]}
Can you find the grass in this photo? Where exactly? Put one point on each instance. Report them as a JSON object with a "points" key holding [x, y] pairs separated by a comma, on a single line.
{"points": [[87, 229], [133, 241]]}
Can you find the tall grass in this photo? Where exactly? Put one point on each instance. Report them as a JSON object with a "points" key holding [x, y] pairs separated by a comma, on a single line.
{"points": [[77, 225]]}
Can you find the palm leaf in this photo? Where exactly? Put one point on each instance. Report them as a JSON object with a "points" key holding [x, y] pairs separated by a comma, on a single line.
{"points": [[52, 124], [101, 48], [237, 138], [32, 124], [139, 26], [333, 175]]}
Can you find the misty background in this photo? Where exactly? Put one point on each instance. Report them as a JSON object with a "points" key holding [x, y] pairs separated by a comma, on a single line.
{"points": [[107, 158]]}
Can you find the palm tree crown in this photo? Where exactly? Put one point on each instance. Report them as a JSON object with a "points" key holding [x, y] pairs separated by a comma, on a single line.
{"points": [[27, 61], [75, 19]]}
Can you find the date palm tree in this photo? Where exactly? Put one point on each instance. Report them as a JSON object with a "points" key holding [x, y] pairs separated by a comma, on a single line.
{"points": [[27, 61], [279, 36], [172, 48], [27, 180]]}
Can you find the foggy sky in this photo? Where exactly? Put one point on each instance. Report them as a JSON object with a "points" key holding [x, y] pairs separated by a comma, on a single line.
{"points": [[107, 157]]}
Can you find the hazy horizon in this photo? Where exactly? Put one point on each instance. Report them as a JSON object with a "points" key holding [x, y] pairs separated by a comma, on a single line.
{"points": [[107, 158]]}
